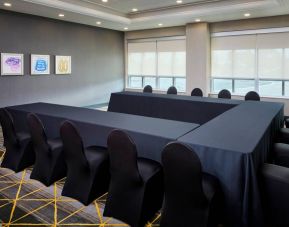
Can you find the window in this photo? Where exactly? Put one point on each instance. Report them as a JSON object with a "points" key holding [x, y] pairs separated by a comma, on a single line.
{"points": [[159, 63], [243, 63], [149, 80], [270, 88], [140, 56], [244, 86]]}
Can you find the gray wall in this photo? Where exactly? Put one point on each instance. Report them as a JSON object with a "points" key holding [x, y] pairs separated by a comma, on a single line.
{"points": [[97, 61]]}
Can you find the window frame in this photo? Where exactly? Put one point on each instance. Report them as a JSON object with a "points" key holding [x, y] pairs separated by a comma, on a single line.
{"points": [[127, 76], [257, 78]]}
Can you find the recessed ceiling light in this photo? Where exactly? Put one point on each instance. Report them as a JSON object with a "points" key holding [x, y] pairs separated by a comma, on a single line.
{"points": [[98, 22], [179, 1], [134, 9], [247, 14], [198, 20], [61, 15], [7, 4], [104, 0], [160, 24], [126, 28]]}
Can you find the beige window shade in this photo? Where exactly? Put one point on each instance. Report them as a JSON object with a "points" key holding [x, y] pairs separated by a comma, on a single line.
{"points": [[270, 63], [141, 47], [260, 56], [171, 58], [234, 42], [244, 63], [142, 59], [234, 56], [172, 46], [286, 63], [222, 63], [273, 55], [272, 41]]}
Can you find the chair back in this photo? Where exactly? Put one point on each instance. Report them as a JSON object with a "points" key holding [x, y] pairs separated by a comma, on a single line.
{"points": [[274, 182], [183, 177], [224, 94], [73, 146], [8, 127], [252, 96], [197, 92], [38, 136], [123, 158], [172, 91], [148, 89]]}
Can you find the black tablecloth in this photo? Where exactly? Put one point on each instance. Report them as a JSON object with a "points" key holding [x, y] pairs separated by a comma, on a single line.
{"points": [[232, 146], [197, 110], [149, 134]]}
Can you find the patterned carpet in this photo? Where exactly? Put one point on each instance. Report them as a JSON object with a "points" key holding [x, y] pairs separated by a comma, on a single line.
{"points": [[26, 202]]}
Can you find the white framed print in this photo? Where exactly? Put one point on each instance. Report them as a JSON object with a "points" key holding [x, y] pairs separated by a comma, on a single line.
{"points": [[40, 64], [12, 64], [62, 64]]}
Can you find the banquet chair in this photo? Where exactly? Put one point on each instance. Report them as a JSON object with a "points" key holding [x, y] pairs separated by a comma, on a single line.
{"points": [[87, 168], [148, 89], [252, 96], [281, 154], [136, 187], [224, 94], [197, 92], [49, 165], [192, 198], [19, 151], [172, 91], [275, 197], [283, 135], [286, 121]]}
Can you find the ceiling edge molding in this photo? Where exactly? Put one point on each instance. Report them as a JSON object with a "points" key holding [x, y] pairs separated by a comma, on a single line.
{"points": [[57, 4], [203, 11]]}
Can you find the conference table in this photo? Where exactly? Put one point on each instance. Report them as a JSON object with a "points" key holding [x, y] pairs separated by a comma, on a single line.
{"points": [[232, 147], [198, 110], [234, 139], [149, 134]]}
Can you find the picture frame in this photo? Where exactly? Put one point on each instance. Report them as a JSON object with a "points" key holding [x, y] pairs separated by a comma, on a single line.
{"points": [[62, 65], [12, 64], [40, 64]]}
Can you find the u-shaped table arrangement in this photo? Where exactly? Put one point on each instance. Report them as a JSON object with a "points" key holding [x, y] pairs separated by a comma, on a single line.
{"points": [[232, 138]]}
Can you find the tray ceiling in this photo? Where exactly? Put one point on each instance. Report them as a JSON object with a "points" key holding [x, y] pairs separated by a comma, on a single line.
{"points": [[117, 14]]}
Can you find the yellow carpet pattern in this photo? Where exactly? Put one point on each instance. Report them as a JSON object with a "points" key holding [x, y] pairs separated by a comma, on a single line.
{"points": [[26, 202]]}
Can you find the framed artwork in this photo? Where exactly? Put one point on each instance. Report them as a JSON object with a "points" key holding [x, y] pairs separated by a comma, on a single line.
{"points": [[12, 64], [62, 64], [40, 64]]}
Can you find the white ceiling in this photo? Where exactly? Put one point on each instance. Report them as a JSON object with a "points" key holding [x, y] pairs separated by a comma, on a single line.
{"points": [[117, 14], [125, 6]]}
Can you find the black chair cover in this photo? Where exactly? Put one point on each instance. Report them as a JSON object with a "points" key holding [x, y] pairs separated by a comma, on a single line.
{"points": [[19, 151], [148, 89], [87, 169], [197, 92], [172, 91], [281, 154], [283, 135], [252, 96], [191, 197], [136, 189], [224, 94], [49, 166], [275, 188]]}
